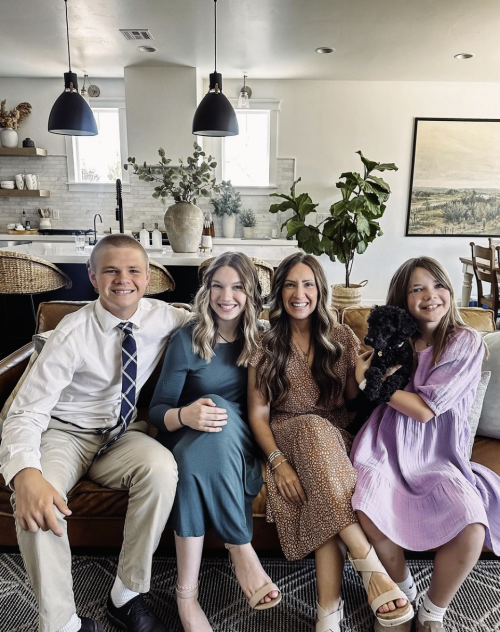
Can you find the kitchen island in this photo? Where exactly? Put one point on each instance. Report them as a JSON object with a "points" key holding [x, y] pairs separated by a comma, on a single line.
{"points": [[15, 310]]}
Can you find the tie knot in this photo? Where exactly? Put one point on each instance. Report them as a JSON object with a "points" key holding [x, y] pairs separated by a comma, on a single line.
{"points": [[126, 328]]}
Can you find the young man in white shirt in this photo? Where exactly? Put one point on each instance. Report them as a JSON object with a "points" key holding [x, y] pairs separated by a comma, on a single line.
{"points": [[75, 415]]}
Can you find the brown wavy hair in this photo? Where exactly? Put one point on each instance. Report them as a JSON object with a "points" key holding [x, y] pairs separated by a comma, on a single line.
{"points": [[398, 296], [205, 325], [272, 379]]}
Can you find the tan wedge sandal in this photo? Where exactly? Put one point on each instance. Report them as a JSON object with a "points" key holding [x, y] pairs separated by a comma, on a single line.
{"points": [[371, 564], [329, 621], [259, 594]]}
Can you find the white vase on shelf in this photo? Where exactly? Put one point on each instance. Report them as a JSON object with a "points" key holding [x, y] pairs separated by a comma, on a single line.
{"points": [[248, 232], [9, 137], [228, 226]]}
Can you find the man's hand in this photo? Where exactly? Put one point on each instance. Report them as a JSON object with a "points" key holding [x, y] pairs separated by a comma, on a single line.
{"points": [[35, 500]]}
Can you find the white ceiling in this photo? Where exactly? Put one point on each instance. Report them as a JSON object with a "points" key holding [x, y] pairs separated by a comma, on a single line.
{"points": [[382, 40]]}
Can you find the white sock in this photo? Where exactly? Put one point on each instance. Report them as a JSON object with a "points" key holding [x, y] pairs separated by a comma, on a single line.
{"points": [[408, 587], [120, 594], [429, 611], [73, 625]]}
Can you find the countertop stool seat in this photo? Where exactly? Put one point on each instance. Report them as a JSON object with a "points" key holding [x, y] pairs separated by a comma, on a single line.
{"points": [[26, 274]]}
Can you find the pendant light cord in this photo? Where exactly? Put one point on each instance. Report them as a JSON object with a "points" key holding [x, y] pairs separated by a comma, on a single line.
{"points": [[215, 39], [67, 33]]}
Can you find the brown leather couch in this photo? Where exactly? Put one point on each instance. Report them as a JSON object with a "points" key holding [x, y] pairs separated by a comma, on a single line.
{"points": [[98, 513]]}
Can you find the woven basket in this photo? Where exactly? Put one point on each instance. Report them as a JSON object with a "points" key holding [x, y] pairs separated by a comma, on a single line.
{"points": [[343, 296], [265, 272], [25, 274], [160, 281]]}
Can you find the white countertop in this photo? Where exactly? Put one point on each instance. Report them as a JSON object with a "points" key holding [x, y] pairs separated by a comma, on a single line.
{"points": [[273, 251]]}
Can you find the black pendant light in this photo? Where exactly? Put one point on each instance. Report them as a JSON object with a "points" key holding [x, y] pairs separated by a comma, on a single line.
{"points": [[71, 114], [215, 116]]}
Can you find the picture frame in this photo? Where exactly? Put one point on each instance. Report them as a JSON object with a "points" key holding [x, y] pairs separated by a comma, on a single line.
{"points": [[455, 178]]}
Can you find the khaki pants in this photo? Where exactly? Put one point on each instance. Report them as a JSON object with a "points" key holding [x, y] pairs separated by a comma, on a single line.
{"points": [[135, 462]]}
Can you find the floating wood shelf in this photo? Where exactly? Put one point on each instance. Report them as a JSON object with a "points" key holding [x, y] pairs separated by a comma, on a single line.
{"points": [[22, 151], [24, 193]]}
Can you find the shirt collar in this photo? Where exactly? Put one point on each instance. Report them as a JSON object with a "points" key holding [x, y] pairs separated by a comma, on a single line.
{"points": [[108, 321]]}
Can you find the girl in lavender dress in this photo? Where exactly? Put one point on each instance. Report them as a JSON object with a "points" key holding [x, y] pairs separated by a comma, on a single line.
{"points": [[416, 488]]}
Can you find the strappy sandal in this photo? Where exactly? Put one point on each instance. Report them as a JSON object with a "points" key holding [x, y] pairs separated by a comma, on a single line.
{"points": [[259, 594], [371, 564], [329, 621], [429, 626]]}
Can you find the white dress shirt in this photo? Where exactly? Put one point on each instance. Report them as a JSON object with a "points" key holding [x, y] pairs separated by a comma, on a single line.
{"points": [[77, 377]]}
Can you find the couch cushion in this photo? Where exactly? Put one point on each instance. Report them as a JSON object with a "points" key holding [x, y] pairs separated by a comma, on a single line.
{"points": [[489, 422], [477, 406]]}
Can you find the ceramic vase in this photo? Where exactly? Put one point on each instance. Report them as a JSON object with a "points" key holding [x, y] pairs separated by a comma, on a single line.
{"points": [[184, 225], [228, 226], [8, 137], [248, 232]]}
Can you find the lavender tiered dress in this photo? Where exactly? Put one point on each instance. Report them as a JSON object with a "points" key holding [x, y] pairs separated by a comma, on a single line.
{"points": [[415, 481]]}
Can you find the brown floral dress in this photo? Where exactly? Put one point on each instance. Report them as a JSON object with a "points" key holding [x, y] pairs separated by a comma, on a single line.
{"points": [[317, 447]]}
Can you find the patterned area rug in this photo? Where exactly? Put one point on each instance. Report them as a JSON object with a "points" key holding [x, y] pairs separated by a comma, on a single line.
{"points": [[476, 607]]}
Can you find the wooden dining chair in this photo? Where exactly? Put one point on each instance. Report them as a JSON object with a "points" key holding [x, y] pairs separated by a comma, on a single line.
{"points": [[485, 271]]}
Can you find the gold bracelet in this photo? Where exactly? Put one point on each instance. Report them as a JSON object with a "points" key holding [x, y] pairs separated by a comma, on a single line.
{"points": [[285, 460]]}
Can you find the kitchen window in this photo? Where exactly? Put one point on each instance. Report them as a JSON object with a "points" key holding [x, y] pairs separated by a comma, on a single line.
{"points": [[249, 160], [95, 162]]}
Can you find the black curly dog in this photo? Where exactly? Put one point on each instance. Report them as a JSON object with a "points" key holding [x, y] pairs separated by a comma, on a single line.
{"points": [[389, 331]]}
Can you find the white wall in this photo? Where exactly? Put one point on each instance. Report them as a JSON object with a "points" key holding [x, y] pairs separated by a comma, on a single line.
{"points": [[322, 124]]}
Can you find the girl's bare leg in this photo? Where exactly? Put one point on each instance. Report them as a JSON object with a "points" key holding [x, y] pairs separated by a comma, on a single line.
{"points": [[189, 552], [330, 558]]}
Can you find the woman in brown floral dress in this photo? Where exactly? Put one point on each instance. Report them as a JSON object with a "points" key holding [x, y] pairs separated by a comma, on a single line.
{"points": [[299, 378]]}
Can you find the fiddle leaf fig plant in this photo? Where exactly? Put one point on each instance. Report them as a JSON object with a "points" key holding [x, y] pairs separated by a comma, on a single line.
{"points": [[185, 183], [353, 221]]}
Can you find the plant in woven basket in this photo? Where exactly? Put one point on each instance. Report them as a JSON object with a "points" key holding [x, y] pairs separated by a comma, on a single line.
{"points": [[228, 200], [353, 221], [185, 183], [13, 118], [248, 218]]}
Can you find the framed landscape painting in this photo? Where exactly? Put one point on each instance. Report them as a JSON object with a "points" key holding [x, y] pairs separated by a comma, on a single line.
{"points": [[455, 178]]}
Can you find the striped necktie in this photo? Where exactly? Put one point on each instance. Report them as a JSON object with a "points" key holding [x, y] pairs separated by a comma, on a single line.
{"points": [[129, 375]]}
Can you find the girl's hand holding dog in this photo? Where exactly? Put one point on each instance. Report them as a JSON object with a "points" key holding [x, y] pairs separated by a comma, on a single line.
{"points": [[288, 484]]}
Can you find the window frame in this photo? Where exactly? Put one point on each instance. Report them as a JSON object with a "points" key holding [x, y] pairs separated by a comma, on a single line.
{"points": [[117, 103], [215, 146]]}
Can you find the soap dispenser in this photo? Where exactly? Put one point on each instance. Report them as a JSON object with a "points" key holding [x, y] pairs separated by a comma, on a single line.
{"points": [[156, 237], [144, 237]]}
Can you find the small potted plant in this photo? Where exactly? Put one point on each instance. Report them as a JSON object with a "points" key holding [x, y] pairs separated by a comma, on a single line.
{"points": [[227, 205], [351, 226], [10, 121], [192, 179], [248, 221]]}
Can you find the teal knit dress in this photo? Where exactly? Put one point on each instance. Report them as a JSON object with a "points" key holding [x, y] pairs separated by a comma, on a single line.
{"points": [[219, 472]]}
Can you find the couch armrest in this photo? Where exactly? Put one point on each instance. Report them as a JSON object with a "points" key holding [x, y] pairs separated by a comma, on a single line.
{"points": [[11, 369]]}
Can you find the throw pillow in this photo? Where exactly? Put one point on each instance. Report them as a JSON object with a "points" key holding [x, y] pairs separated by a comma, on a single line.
{"points": [[475, 411], [489, 422]]}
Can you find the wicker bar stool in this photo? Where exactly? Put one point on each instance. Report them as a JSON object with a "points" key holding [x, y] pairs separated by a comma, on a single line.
{"points": [[26, 274], [265, 272], [160, 280]]}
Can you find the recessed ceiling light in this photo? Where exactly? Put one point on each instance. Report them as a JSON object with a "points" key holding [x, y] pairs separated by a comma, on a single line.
{"points": [[325, 50], [464, 55], [147, 49]]}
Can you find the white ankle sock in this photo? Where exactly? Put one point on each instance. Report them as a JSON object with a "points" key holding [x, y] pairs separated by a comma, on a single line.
{"points": [[120, 594], [429, 611], [409, 587], [73, 625]]}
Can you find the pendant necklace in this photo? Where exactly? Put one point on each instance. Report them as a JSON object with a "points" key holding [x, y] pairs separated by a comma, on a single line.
{"points": [[427, 343], [305, 356]]}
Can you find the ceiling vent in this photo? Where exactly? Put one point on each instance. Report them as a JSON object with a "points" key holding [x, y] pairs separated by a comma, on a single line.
{"points": [[137, 34]]}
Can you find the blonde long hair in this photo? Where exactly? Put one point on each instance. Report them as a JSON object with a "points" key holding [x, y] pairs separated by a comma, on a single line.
{"points": [[398, 296], [205, 325]]}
